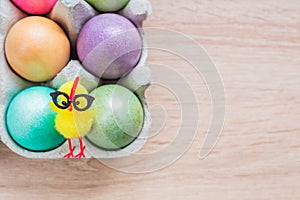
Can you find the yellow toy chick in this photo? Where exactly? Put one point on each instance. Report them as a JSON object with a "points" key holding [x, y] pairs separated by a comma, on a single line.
{"points": [[74, 119]]}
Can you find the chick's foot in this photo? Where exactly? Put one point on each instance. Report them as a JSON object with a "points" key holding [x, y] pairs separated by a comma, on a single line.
{"points": [[81, 153], [71, 154]]}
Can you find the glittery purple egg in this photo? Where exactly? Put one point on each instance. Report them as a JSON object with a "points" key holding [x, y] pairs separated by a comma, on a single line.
{"points": [[109, 46]]}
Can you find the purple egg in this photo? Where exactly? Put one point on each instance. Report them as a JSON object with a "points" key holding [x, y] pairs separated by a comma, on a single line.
{"points": [[109, 46]]}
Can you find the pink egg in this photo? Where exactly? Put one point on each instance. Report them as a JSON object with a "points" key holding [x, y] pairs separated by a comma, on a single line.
{"points": [[35, 7]]}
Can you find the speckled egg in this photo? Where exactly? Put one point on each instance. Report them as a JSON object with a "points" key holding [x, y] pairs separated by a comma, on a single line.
{"points": [[109, 46], [118, 117], [108, 5], [37, 48], [30, 121], [36, 7]]}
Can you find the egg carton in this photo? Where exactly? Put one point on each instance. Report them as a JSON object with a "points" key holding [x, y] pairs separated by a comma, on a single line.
{"points": [[72, 15]]}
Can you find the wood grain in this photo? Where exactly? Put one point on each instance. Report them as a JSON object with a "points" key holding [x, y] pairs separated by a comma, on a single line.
{"points": [[256, 48]]}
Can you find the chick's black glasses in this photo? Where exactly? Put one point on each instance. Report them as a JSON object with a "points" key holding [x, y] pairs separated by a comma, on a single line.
{"points": [[80, 102]]}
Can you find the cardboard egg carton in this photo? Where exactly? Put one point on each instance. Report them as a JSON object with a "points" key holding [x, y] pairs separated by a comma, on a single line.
{"points": [[72, 15]]}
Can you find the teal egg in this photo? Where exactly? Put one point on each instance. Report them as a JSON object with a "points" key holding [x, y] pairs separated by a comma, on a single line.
{"points": [[118, 118], [31, 122], [108, 5]]}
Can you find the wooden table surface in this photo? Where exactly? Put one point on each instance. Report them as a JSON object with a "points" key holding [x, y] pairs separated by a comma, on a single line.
{"points": [[255, 46]]}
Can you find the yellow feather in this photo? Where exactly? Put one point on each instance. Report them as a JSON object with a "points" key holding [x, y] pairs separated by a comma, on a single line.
{"points": [[53, 107]]}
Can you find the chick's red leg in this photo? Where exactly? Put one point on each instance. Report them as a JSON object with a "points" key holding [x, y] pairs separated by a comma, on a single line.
{"points": [[82, 148], [71, 154]]}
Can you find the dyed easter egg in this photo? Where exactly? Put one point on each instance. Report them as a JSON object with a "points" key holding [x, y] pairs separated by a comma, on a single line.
{"points": [[36, 7], [37, 48], [30, 121], [118, 117], [108, 5], [109, 46]]}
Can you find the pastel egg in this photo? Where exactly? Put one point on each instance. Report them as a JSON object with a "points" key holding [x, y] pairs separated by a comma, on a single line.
{"points": [[108, 5], [31, 122], [37, 48], [109, 46], [118, 117], [37, 7]]}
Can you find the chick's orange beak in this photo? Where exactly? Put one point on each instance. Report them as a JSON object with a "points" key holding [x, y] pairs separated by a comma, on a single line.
{"points": [[70, 108]]}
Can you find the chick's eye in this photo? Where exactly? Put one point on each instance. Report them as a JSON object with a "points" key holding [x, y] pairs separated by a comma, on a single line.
{"points": [[60, 99], [83, 102]]}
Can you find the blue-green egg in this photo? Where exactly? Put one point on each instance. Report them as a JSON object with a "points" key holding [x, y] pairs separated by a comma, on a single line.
{"points": [[118, 117], [30, 121]]}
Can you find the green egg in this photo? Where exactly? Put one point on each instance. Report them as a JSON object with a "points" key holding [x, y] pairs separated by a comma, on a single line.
{"points": [[30, 121], [118, 118], [108, 5]]}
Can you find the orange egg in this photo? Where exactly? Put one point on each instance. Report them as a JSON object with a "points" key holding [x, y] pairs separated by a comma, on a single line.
{"points": [[37, 48]]}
